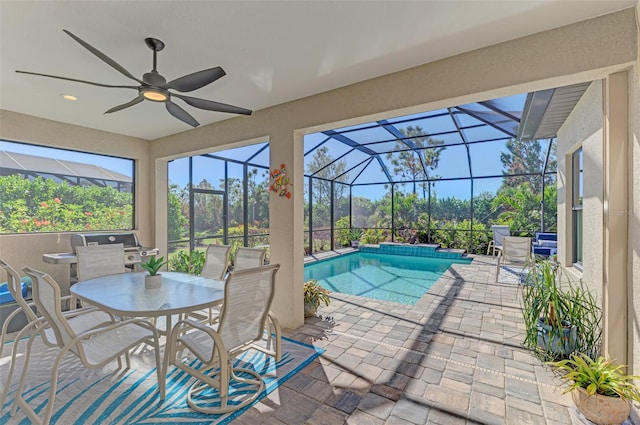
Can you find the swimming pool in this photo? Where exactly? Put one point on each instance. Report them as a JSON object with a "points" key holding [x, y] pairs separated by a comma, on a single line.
{"points": [[397, 278]]}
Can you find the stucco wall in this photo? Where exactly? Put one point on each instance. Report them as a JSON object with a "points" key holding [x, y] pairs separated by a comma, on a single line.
{"points": [[634, 225], [583, 128], [634, 210], [26, 250]]}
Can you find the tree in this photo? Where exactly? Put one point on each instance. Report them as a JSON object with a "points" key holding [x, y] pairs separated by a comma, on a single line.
{"points": [[520, 196], [323, 166], [521, 207], [526, 157], [176, 220], [258, 197], [408, 164]]}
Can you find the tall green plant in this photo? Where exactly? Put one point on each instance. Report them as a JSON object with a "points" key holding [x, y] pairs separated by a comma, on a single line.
{"points": [[565, 308]]}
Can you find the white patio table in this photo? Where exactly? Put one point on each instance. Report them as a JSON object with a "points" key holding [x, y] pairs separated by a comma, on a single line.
{"points": [[124, 294]]}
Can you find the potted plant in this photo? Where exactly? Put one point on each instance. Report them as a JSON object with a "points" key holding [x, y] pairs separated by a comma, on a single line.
{"points": [[600, 390], [560, 318], [153, 280], [355, 234], [314, 294]]}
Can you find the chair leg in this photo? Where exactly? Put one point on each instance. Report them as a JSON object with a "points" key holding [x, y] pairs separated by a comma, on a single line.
{"points": [[54, 385], [489, 248], [5, 328], [278, 336], [12, 364], [23, 377]]}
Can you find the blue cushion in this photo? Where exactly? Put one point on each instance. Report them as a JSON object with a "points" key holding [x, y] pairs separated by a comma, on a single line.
{"points": [[546, 236], [548, 243], [5, 295]]}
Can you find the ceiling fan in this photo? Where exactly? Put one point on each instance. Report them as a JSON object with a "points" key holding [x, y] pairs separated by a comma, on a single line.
{"points": [[155, 87]]}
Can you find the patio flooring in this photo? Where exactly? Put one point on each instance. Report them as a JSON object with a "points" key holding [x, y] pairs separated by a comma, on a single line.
{"points": [[453, 358]]}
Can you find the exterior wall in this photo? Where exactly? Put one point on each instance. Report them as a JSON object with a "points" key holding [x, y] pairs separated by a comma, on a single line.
{"points": [[584, 127], [633, 300], [585, 51], [26, 250]]}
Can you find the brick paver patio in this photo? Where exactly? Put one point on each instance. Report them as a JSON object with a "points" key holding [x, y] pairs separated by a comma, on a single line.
{"points": [[453, 358]]}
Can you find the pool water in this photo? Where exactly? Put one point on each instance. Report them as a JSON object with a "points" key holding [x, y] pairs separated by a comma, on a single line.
{"points": [[397, 278]]}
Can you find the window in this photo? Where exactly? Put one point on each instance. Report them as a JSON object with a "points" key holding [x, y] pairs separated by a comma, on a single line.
{"points": [[56, 190], [576, 206]]}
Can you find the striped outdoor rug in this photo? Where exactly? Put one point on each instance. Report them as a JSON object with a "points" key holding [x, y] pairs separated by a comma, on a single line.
{"points": [[129, 396]]}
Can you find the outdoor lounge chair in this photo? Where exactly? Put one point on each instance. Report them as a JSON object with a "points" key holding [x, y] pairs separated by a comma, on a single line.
{"points": [[499, 232], [79, 320], [248, 295], [515, 250], [94, 348]]}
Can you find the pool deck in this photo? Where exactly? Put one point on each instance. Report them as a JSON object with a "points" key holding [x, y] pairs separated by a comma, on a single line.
{"points": [[453, 358]]}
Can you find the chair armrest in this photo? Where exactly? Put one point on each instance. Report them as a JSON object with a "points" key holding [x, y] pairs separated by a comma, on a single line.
{"points": [[85, 310], [115, 325], [218, 344]]}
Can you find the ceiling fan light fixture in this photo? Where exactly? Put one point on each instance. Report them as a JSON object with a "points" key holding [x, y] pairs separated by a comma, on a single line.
{"points": [[69, 97], [154, 94]]}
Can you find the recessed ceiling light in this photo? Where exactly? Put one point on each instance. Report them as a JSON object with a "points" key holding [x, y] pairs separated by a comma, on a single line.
{"points": [[68, 97]]}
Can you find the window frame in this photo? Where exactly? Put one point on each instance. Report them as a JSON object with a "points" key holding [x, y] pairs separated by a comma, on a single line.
{"points": [[577, 195], [47, 175]]}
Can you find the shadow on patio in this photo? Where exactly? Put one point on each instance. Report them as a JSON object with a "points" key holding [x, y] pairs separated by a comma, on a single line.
{"points": [[454, 357]]}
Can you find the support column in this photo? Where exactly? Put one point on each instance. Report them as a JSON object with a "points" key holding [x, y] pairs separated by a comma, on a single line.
{"points": [[286, 228], [616, 208]]}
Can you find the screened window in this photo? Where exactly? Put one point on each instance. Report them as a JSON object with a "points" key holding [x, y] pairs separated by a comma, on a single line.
{"points": [[576, 207], [57, 190]]}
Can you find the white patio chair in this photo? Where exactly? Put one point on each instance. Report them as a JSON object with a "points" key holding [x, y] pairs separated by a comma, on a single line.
{"points": [[99, 260], [79, 320], [215, 267], [217, 262], [499, 232], [94, 348], [248, 258], [248, 295], [515, 250]]}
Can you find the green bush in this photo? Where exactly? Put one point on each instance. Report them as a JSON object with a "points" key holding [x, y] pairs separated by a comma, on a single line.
{"points": [[42, 205], [188, 262]]}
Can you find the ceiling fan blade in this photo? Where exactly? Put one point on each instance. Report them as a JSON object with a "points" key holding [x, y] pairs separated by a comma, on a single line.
{"points": [[213, 106], [181, 114], [196, 80], [126, 105], [77, 81], [103, 57]]}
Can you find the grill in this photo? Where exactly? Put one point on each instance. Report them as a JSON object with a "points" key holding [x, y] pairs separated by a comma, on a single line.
{"points": [[133, 251]]}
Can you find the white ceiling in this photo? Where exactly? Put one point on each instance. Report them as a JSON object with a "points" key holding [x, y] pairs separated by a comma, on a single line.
{"points": [[272, 51]]}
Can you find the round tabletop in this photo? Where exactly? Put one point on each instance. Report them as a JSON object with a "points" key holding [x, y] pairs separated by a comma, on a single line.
{"points": [[125, 293]]}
